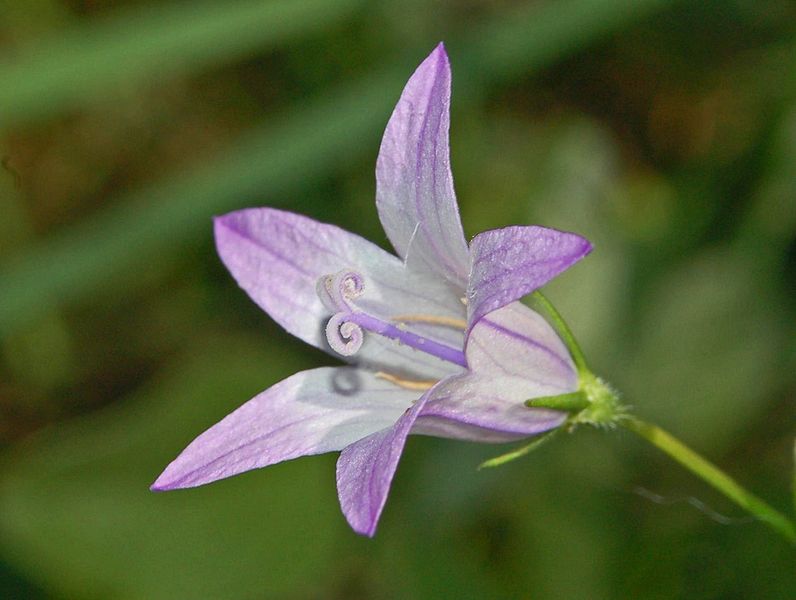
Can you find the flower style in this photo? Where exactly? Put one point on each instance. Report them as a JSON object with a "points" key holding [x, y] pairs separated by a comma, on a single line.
{"points": [[437, 341]]}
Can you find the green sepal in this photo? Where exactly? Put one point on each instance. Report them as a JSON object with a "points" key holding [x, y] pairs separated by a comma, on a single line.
{"points": [[519, 452], [572, 403], [541, 304]]}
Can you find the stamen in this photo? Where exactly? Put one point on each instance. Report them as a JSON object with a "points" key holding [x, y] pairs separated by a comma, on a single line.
{"points": [[433, 320], [335, 291], [408, 384]]}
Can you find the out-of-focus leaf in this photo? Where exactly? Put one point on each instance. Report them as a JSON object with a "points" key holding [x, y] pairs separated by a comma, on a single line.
{"points": [[537, 34], [263, 166], [574, 180], [509, 532], [269, 161], [769, 229], [644, 206], [771, 223], [707, 350], [793, 479], [25, 20], [75, 508], [145, 44], [15, 226], [41, 354]]}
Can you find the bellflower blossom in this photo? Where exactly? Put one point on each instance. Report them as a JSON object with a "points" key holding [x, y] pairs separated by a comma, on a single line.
{"points": [[436, 340]]}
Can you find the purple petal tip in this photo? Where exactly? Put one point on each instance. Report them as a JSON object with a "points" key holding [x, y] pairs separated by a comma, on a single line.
{"points": [[221, 220], [366, 530], [439, 53], [167, 481], [160, 486]]}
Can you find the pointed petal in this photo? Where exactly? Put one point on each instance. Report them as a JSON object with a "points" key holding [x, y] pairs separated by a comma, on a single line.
{"points": [[309, 413], [278, 257], [513, 355], [507, 264], [365, 470], [414, 187]]}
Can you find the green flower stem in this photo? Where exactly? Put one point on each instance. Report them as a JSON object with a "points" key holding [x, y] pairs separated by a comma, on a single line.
{"points": [[712, 475], [595, 403]]}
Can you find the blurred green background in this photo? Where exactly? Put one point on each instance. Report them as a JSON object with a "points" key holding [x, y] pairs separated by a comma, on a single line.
{"points": [[664, 131]]}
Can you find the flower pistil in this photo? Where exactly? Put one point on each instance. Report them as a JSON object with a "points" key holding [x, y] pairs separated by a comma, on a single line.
{"points": [[345, 329]]}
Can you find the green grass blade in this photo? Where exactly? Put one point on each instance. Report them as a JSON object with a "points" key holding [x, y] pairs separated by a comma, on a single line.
{"points": [[80, 260], [538, 34], [269, 161], [150, 44]]}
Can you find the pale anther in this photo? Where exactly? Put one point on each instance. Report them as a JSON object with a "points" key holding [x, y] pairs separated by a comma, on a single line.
{"points": [[420, 385], [432, 320]]}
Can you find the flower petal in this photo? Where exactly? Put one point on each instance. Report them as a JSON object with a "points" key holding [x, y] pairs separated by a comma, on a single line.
{"points": [[365, 470], [516, 341], [508, 263], [414, 187], [513, 355], [278, 257], [486, 409], [311, 412]]}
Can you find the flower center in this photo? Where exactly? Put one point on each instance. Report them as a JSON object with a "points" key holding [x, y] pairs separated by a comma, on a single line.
{"points": [[345, 329]]}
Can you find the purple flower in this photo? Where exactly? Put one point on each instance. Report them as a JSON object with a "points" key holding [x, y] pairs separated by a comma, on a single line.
{"points": [[437, 341]]}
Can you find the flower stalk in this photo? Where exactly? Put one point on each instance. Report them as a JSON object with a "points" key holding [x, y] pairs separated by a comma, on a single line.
{"points": [[710, 473], [595, 403]]}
